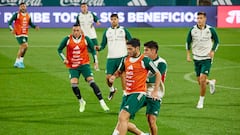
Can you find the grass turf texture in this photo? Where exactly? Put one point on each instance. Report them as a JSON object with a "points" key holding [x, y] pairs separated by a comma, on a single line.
{"points": [[39, 100]]}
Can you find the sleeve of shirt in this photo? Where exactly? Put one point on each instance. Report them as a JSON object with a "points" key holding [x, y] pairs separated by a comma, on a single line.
{"points": [[90, 45], [95, 18], [162, 67], [189, 40], [104, 41], [128, 35], [215, 39], [61, 47], [122, 66], [77, 20], [13, 18], [31, 23], [148, 63]]}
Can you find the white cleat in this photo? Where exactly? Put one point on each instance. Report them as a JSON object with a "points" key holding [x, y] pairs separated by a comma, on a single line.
{"points": [[200, 105], [82, 106], [104, 107], [212, 86]]}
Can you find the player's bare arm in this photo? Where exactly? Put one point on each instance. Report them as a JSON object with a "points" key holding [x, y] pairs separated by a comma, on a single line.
{"points": [[189, 59], [158, 83]]}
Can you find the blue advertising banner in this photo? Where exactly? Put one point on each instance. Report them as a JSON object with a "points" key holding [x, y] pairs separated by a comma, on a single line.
{"points": [[157, 16]]}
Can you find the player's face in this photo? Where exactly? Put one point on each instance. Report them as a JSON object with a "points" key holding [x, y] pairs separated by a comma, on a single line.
{"points": [[114, 21], [149, 52], [201, 20], [23, 8], [84, 8], [76, 30], [132, 51]]}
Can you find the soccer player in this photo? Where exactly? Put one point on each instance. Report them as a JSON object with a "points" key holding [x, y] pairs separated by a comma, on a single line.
{"points": [[77, 61], [86, 20], [202, 39], [153, 106], [21, 22], [115, 37], [136, 67]]}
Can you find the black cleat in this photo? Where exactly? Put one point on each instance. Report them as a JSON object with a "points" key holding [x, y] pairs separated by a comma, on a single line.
{"points": [[111, 94]]}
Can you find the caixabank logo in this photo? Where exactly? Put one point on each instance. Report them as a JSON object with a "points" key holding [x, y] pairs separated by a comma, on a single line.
{"points": [[228, 17]]}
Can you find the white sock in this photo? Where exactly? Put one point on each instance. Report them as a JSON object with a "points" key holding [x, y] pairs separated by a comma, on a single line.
{"points": [[102, 101], [17, 60], [111, 88], [21, 59], [115, 132], [201, 99], [81, 100], [142, 133]]}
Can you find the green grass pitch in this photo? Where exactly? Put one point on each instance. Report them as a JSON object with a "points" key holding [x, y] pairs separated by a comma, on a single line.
{"points": [[38, 99]]}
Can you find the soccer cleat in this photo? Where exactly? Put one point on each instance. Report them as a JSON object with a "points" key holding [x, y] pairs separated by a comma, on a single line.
{"points": [[82, 106], [200, 105], [104, 106], [212, 86], [21, 65], [111, 94], [16, 64]]}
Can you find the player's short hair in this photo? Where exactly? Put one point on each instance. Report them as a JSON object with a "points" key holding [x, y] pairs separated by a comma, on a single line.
{"points": [[76, 25], [152, 45], [22, 3], [83, 3], [134, 42], [202, 13], [114, 15]]}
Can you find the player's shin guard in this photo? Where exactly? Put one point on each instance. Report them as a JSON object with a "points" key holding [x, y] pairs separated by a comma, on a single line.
{"points": [[96, 89], [76, 90]]}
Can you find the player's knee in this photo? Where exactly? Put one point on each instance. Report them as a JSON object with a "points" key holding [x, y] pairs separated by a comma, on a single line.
{"points": [[151, 119], [124, 116], [74, 81], [90, 80]]}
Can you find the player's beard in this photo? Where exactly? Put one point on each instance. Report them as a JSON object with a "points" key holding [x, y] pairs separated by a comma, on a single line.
{"points": [[23, 10]]}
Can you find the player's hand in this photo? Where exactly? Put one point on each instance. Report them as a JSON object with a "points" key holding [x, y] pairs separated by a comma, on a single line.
{"points": [[112, 78], [65, 61], [211, 54], [98, 23], [13, 32], [97, 48], [37, 28], [155, 95], [189, 59]]}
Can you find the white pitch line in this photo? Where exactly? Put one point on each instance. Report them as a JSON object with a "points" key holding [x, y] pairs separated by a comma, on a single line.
{"points": [[188, 78]]}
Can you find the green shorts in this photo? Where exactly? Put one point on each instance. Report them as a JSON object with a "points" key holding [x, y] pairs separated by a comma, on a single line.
{"points": [[83, 69], [153, 106], [132, 103], [22, 40], [113, 64], [202, 66]]}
